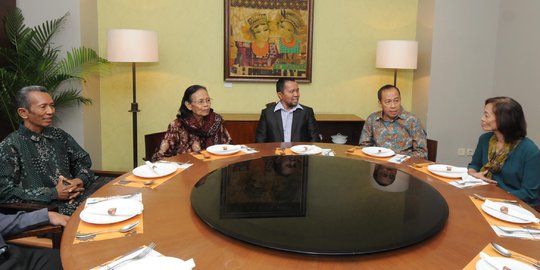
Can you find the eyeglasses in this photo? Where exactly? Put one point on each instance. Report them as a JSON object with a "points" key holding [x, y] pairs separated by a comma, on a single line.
{"points": [[202, 101]]}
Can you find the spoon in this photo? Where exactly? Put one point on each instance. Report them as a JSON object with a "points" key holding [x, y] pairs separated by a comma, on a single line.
{"points": [[88, 236], [506, 253]]}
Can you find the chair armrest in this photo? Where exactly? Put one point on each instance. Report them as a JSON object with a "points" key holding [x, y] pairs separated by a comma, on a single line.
{"points": [[11, 208], [100, 173], [46, 229]]}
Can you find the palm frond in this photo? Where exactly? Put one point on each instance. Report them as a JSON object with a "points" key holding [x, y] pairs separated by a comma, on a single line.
{"points": [[45, 31], [81, 61], [69, 97], [32, 59]]}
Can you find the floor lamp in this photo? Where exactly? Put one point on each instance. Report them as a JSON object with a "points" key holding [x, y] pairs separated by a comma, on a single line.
{"points": [[132, 46], [397, 54]]}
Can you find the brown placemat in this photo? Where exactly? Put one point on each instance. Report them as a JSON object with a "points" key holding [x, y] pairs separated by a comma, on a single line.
{"points": [[495, 221], [85, 227], [438, 177], [205, 156]]}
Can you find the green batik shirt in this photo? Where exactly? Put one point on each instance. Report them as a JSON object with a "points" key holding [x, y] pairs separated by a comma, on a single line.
{"points": [[31, 163]]}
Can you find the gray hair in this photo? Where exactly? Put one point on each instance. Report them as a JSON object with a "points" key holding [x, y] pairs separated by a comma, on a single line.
{"points": [[22, 95]]}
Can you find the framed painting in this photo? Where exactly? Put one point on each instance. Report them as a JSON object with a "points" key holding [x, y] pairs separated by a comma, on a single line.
{"points": [[268, 187], [268, 39]]}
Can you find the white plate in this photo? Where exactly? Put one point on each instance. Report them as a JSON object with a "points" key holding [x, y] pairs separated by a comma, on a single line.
{"points": [[378, 151], [162, 263], [447, 170], [511, 208], [89, 214], [162, 169], [512, 264], [223, 149], [304, 149]]}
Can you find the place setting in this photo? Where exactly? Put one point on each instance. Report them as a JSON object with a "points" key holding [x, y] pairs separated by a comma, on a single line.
{"points": [[453, 175], [220, 151], [495, 256], [151, 175], [507, 218], [378, 153], [146, 257], [110, 217], [304, 149]]}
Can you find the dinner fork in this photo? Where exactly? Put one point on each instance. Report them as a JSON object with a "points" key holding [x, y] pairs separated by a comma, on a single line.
{"points": [[518, 230], [139, 256]]}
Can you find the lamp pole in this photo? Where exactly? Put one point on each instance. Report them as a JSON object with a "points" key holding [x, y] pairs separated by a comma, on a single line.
{"points": [[134, 110]]}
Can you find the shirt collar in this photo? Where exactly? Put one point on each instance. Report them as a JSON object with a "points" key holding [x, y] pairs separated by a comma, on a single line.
{"points": [[279, 106], [24, 131]]}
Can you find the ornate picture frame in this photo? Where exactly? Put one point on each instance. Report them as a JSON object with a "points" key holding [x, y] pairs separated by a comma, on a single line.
{"points": [[268, 39]]}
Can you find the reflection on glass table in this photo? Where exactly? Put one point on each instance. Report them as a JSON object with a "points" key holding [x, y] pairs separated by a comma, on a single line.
{"points": [[266, 187], [334, 206]]}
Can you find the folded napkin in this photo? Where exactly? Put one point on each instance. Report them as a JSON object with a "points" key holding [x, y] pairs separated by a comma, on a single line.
{"points": [[515, 232], [113, 211], [497, 207], [493, 263], [179, 165], [328, 152], [449, 169], [247, 150], [399, 158], [187, 265], [94, 200], [468, 181]]}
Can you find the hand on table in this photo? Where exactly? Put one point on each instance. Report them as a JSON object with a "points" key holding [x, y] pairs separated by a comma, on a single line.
{"points": [[482, 176]]}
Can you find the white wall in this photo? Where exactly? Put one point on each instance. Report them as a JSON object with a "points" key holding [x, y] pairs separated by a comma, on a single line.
{"points": [[36, 12], [517, 68], [464, 49]]}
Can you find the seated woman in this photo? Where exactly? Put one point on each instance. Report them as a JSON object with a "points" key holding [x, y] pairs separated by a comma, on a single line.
{"points": [[196, 126], [504, 156]]}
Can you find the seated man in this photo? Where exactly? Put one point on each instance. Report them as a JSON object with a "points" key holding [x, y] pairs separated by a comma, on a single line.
{"points": [[287, 120], [40, 163], [393, 127], [15, 257]]}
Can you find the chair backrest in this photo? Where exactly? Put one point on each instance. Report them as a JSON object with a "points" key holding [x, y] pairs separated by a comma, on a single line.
{"points": [[432, 149], [151, 143]]}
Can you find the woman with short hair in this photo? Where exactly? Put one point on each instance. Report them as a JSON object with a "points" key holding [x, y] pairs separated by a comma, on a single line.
{"points": [[504, 155]]}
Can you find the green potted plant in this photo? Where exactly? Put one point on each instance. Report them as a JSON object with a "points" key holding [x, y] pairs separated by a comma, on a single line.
{"points": [[32, 59]]}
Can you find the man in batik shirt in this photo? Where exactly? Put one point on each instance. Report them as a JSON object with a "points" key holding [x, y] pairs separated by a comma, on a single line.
{"points": [[40, 163], [393, 127]]}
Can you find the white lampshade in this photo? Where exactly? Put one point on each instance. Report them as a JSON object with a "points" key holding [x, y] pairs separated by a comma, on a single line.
{"points": [[397, 54], [132, 45]]}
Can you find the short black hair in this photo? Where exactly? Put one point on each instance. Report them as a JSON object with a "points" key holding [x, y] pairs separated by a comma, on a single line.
{"points": [[387, 87], [280, 84], [184, 112], [509, 117], [22, 95]]}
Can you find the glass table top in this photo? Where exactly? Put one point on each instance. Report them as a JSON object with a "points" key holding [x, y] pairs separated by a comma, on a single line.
{"points": [[319, 205]]}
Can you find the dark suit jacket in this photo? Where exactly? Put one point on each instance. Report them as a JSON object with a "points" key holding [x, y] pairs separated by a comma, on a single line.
{"points": [[304, 126]]}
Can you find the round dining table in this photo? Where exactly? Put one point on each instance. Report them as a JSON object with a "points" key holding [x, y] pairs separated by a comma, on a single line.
{"points": [[177, 230]]}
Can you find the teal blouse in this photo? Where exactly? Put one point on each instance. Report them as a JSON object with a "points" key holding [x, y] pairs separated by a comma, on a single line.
{"points": [[520, 174]]}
